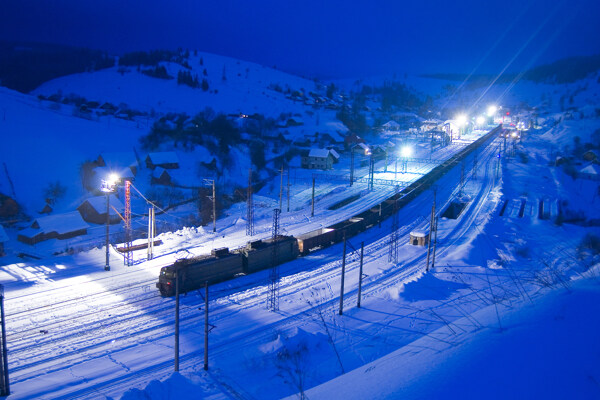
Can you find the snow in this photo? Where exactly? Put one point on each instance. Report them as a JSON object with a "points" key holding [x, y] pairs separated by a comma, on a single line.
{"points": [[591, 169], [60, 223], [508, 310], [544, 349], [318, 153], [98, 203]]}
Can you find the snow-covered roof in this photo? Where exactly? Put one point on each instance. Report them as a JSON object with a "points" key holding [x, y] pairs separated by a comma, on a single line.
{"points": [[364, 146], [419, 233], [163, 157], [3, 235], [391, 125], [105, 172], [120, 159], [319, 153], [591, 169], [98, 203], [60, 223], [334, 154]]}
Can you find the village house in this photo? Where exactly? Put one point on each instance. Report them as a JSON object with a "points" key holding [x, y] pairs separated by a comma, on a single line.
{"points": [[164, 159], [57, 226], [391, 126], [351, 140], [119, 163], [161, 176], [93, 210], [318, 159]]}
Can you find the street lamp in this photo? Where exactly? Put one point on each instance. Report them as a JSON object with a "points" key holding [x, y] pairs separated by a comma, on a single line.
{"points": [[405, 153], [108, 186], [480, 120]]}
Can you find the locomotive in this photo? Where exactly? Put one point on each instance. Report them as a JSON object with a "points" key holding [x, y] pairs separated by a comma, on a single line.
{"points": [[223, 264]]}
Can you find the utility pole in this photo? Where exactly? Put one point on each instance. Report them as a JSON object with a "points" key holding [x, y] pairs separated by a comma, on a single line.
{"points": [[288, 190], [371, 172], [312, 204], [214, 202], [393, 251], [4, 381], [343, 273], [151, 232], [249, 207], [351, 165], [281, 190], [176, 319], [475, 166], [431, 228], [434, 243], [107, 264], [360, 273], [206, 327]]}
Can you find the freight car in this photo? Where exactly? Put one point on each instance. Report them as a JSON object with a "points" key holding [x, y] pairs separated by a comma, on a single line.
{"points": [[263, 254], [219, 266]]}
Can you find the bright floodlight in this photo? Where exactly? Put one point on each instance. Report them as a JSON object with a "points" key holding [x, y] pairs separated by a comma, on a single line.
{"points": [[406, 151], [108, 185], [480, 120], [461, 120], [491, 111], [113, 178]]}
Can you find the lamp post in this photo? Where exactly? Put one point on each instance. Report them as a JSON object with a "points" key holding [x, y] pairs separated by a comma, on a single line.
{"points": [[108, 186]]}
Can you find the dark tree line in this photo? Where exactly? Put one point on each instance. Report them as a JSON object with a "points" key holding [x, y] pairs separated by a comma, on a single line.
{"points": [[25, 66]]}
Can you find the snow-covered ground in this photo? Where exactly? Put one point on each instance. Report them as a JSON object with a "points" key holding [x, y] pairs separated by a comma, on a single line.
{"points": [[508, 310]]}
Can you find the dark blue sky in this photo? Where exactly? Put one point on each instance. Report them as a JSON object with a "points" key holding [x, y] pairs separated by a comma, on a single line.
{"points": [[325, 38]]}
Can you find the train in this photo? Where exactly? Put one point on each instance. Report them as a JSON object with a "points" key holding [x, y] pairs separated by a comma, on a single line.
{"points": [[224, 264]]}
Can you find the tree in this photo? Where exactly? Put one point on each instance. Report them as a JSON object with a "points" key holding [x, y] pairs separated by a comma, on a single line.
{"points": [[54, 191]]}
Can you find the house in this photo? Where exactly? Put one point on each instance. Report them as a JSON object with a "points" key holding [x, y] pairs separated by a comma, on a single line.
{"points": [[161, 176], [431, 125], [119, 163], [379, 152], [3, 239], [592, 172], [57, 226], [335, 155], [104, 173], [391, 126], [361, 149], [93, 210], [351, 140], [164, 159], [318, 159]]}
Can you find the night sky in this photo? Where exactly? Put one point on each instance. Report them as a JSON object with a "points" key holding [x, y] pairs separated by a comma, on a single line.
{"points": [[324, 38]]}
